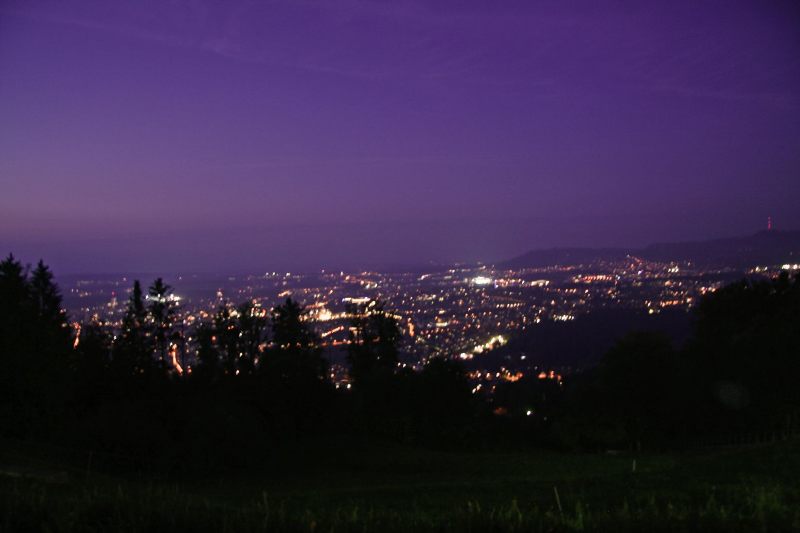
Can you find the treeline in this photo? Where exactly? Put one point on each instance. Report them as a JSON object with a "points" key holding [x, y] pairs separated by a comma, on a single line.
{"points": [[255, 382], [256, 385]]}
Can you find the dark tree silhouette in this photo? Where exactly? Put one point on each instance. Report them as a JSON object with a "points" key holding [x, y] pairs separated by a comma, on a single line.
{"points": [[446, 405], [51, 320], [91, 364], [16, 333], [226, 331], [296, 355], [15, 309], [745, 355], [34, 343], [233, 342], [374, 338], [161, 311], [208, 364], [133, 353], [252, 327], [638, 379]]}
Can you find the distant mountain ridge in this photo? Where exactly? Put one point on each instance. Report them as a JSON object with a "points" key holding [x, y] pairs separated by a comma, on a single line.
{"points": [[762, 248]]}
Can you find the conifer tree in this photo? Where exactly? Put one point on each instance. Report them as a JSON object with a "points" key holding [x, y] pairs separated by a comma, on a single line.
{"points": [[132, 352], [15, 328], [53, 333], [14, 304], [296, 354], [161, 311]]}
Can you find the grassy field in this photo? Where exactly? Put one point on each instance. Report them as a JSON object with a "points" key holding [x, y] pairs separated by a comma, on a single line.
{"points": [[400, 489]]}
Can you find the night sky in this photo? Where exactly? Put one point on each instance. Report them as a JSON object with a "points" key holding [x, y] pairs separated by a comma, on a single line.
{"points": [[230, 136]]}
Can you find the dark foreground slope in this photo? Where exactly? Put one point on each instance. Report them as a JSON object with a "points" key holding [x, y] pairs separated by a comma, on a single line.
{"points": [[400, 489]]}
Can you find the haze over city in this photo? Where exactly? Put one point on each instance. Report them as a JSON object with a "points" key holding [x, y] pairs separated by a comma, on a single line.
{"points": [[245, 136]]}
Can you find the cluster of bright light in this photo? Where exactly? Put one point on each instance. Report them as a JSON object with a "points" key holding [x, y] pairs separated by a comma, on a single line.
{"points": [[77, 326], [491, 344], [787, 266], [163, 299], [592, 278], [173, 353], [550, 375], [482, 280], [330, 332], [357, 301]]}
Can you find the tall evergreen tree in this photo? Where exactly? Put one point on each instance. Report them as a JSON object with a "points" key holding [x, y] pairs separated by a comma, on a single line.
{"points": [[161, 311], [34, 344], [15, 329], [132, 352], [50, 319], [46, 295], [15, 311]]}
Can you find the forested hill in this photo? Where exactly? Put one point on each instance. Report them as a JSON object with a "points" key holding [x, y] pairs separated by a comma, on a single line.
{"points": [[582, 342], [765, 247]]}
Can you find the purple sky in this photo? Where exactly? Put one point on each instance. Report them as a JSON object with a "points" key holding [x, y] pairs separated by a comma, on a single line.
{"points": [[162, 135]]}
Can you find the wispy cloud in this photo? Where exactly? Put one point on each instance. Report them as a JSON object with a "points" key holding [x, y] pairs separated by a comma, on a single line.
{"points": [[538, 48], [343, 38]]}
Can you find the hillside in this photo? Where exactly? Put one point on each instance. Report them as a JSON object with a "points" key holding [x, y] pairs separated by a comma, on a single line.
{"points": [[583, 342], [762, 248]]}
